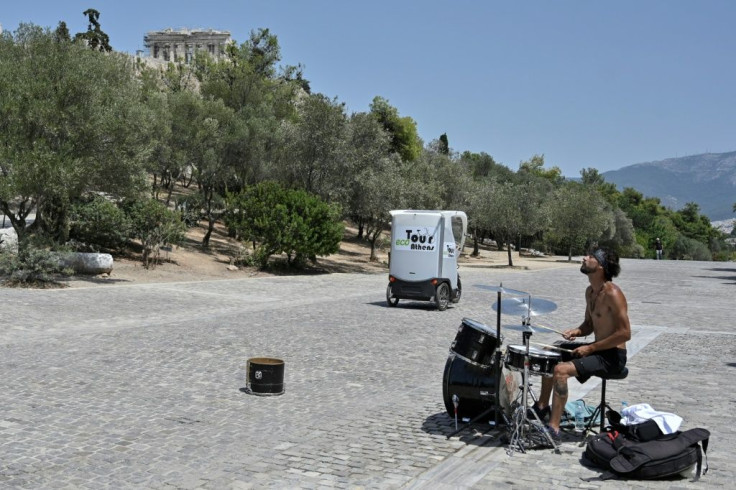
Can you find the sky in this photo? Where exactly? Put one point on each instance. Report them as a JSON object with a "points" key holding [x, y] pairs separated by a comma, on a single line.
{"points": [[587, 84]]}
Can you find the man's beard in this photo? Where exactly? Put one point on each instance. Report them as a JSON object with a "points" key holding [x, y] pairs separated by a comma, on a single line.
{"points": [[585, 270]]}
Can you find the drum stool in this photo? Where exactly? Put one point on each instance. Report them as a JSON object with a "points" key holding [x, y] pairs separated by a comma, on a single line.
{"points": [[601, 408]]}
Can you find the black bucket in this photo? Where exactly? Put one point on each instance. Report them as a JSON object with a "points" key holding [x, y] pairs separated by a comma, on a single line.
{"points": [[265, 376]]}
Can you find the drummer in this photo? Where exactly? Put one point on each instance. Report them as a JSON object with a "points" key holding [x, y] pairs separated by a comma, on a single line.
{"points": [[606, 317]]}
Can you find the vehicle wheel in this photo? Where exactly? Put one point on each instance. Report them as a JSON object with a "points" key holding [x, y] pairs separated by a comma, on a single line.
{"points": [[442, 296], [390, 298], [459, 290]]}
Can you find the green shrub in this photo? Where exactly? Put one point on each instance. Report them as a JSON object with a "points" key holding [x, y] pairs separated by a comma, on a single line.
{"points": [[155, 225], [278, 220], [30, 265], [688, 249], [244, 258], [633, 251], [100, 224], [724, 256]]}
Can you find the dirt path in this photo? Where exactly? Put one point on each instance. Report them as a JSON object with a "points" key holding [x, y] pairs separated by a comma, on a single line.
{"points": [[189, 263]]}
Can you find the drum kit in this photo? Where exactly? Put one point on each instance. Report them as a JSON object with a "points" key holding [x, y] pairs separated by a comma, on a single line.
{"points": [[472, 384]]}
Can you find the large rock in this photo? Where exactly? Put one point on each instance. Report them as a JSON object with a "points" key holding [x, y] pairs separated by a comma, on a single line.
{"points": [[87, 263], [8, 239]]}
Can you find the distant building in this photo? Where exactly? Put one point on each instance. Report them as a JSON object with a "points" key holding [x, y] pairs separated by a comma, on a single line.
{"points": [[181, 45]]}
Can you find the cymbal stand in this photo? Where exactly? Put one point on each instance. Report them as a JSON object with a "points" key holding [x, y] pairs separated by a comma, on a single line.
{"points": [[526, 434], [499, 362]]}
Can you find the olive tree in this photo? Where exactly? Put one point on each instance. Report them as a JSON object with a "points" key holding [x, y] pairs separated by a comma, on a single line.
{"points": [[71, 121], [375, 184], [155, 225], [313, 155], [580, 216], [263, 96], [403, 130]]}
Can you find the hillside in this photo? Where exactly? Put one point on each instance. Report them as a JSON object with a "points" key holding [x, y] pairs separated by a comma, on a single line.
{"points": [[708, 179]]}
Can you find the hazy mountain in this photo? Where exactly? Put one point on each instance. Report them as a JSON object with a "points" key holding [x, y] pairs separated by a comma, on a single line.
{"points": [[708, 179]]}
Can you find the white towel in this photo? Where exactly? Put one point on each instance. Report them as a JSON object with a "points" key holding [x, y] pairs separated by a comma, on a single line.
{"points": [[641, 412]]}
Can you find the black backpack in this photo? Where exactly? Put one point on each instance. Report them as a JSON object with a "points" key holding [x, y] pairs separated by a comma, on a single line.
{"points": [[642, 432], [663, 457]]}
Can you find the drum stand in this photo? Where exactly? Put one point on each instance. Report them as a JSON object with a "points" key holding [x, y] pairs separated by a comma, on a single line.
{"points": [[524, 433]]}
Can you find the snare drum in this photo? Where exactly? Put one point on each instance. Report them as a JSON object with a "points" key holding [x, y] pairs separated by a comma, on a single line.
{"points": [[541, 362], [475, 343]]}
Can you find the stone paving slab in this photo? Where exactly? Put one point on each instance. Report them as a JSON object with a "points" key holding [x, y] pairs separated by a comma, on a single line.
{"points": [[141, 386]]}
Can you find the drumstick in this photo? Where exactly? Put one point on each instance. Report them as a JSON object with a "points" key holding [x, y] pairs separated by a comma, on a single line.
{"points": [[553, 347], [548, 328]]}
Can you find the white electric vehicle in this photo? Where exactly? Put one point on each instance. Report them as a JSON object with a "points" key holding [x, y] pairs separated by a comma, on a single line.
{"points": [[425, 246]]}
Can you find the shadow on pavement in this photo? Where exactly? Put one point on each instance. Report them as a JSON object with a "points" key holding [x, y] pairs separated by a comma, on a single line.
{"points": [[93, 280], [406, 304], [479, 434], [725, 279]]}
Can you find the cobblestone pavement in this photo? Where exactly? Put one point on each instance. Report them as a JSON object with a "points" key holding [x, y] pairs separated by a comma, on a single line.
{"points": [[142, 386]]}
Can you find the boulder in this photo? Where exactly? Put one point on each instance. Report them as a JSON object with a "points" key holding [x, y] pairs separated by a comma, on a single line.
{"points": [[87, 263], [8, 240]]}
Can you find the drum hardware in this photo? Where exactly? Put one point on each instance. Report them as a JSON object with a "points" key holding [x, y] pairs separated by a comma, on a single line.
{"points": [[503, 290], [524, 434], [456, 402], [524, 306], [525, 328], [539, 361], [497, 361], [475, 343], [534, 328], [468, 374]]}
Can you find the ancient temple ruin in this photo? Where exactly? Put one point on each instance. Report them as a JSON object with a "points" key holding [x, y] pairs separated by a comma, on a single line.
{"points": [[182, 45]]}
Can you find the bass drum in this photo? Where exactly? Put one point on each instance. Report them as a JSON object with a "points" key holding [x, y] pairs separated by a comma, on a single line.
{"points": [[474, 385]]}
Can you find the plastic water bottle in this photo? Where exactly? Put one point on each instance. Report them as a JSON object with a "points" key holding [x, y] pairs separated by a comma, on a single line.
{"points": [[624, 404], [579, 418]]}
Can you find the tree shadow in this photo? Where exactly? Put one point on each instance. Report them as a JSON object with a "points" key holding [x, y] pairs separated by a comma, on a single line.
{"points": [[725, 279], [97, 280]]}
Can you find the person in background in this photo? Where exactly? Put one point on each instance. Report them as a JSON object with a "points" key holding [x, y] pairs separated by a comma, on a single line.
{"points": [[658, 248]]}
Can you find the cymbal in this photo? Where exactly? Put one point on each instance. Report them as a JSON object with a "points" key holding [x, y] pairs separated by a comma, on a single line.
{"points": [[521, 306], [525, 328], [501, 289]]}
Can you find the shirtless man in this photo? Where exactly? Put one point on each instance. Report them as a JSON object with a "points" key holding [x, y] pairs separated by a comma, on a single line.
{"points": [[606, 317]]}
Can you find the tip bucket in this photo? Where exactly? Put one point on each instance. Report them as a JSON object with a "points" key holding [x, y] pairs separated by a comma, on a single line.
{"points": [[265, 376]]}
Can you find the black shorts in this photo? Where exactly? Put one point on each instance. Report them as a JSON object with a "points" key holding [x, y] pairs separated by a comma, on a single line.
{"points": [[609, 361]]}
